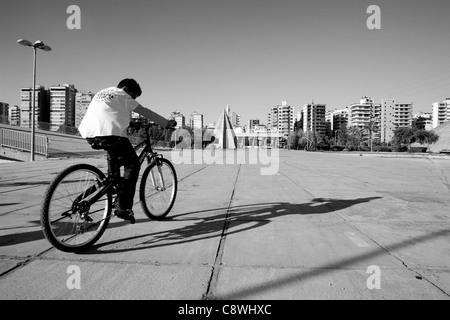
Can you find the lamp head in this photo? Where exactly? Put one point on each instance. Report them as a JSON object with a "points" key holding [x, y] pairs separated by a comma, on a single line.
{"points": [[25, 42], [39, 44]]}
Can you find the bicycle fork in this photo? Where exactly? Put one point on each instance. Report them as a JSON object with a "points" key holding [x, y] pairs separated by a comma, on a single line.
{"points": [[159, 175]]}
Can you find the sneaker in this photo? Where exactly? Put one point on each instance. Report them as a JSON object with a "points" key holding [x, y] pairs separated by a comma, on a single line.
{"points": [[126, 214]]}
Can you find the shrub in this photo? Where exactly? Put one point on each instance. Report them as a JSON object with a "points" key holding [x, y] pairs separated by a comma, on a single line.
{"points": [[417, 150], [398, 148], [337, 148], [382, 149]]}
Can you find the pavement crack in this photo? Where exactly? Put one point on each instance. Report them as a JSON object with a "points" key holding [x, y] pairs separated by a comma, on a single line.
{"points": [[212, 283]]}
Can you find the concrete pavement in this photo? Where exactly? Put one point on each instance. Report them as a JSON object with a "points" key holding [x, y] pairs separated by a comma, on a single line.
{"points": [[318, 226]]}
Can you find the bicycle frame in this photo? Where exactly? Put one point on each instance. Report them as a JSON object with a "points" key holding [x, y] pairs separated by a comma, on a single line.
{"points": [[146, 153], [150, 155]]}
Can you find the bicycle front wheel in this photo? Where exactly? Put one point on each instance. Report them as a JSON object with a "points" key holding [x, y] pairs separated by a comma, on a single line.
{"points": [[158, 189], [68, 221]]}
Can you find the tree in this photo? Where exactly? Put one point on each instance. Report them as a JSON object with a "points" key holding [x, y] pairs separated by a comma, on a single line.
{"points": [[402, 139], [354, 138], [425, 137], [294, 139], [341, 135]]}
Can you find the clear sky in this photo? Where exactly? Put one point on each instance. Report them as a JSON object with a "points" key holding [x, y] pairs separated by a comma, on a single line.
{"points": [[200, 55]]}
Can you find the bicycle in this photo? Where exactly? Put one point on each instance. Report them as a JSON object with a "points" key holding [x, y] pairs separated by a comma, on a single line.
{"points": [[77, 205]]}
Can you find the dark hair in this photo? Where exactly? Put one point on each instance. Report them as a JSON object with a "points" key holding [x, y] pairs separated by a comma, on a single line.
{"points": [[131, 84]]}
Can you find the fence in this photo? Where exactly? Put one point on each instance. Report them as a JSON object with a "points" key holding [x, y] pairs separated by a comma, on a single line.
{"points": [[22, 141]]}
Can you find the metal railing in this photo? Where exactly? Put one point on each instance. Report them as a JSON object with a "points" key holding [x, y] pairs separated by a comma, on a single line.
{"points": [[22, 141]]}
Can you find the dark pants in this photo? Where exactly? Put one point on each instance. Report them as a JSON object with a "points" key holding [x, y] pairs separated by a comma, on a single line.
{"points": [[120, 153]]}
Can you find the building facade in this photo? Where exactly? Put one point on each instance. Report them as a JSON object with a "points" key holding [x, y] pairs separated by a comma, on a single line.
{"points": [[366, 116], [314, 118], [441, 112], [4, 112], [281, 118], [14, 116], [42, 107], [82, 101], [394, 115], [251, 124], [62, 106], [179, 118], [423, 121], [338, 118], [196, 120]]}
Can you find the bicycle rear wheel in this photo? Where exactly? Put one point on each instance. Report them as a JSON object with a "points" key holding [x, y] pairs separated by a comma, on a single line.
{"points": [[68, 223], [158, 189]]}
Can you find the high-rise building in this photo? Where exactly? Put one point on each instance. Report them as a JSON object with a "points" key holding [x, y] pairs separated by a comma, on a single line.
{"points": [[394, 115], [179, 118], [441, 112], [62, 106], [14, 116], [281, 118], [366, 115], [251, 125], [314, 118], [82, 101], [337, 118], [42, 107], [4, 112], [196, 120], [423, 121]]}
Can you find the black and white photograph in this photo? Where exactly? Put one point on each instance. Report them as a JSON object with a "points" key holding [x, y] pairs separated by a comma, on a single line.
{"points": [[224, 156]]}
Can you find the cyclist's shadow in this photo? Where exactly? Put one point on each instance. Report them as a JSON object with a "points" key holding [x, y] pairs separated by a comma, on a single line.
{"points": [[207, 224]]}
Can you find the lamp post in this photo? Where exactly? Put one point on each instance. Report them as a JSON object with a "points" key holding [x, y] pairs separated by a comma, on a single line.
{"points": [[37, 45]]}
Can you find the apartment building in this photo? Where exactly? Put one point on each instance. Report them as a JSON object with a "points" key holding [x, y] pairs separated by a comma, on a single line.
{"points": [[251, 125], [281, 118], [179, 118], [196, 120], [14, 116], [62, 106], [394, 115], [337, 118], [366, 115], [314, 118], [42, 107], [441, 112], [423, 121], [4, 112], [82, 101]]}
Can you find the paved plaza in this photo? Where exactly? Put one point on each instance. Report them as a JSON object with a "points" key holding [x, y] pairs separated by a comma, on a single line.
{"points": [[288, 225]]}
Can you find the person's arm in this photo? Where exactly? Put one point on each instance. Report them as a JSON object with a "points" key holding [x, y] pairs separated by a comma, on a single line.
{"points": [[153, 116]]}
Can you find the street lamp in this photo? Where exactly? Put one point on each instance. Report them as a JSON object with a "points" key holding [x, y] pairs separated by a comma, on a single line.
{"points": [[37, 45]]}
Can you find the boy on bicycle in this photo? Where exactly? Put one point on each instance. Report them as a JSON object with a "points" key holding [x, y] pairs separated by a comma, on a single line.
{"points": [[105, 127]]}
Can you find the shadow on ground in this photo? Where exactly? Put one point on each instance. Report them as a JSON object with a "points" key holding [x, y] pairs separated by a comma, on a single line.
{"points": [[235, 219]]}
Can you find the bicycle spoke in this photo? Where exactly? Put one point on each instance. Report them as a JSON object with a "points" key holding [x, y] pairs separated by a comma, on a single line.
{"points": [[158, 189], [71, 220]]}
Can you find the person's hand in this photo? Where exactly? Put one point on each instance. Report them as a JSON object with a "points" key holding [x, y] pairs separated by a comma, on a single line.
{"points": [[171, 124]]}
